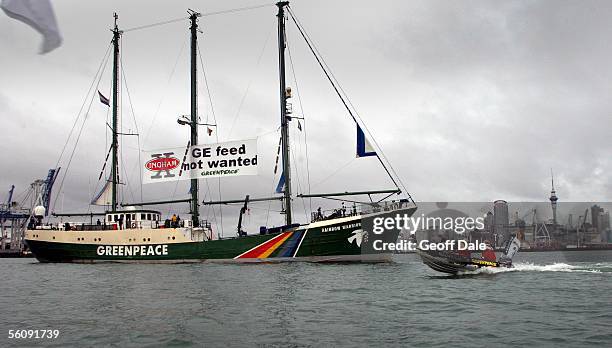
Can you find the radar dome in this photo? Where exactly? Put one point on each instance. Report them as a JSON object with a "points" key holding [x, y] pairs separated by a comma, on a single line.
{"points": [[39, 211]]}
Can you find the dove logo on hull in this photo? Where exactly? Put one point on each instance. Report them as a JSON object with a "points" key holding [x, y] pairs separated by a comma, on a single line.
{"points": [[357, 236]]}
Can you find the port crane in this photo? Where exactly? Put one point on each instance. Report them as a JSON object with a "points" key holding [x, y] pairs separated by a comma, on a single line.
{"points": [[15, 216]]}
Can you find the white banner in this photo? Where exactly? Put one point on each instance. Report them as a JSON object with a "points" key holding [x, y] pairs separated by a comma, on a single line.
{"points": [[233, 158]]}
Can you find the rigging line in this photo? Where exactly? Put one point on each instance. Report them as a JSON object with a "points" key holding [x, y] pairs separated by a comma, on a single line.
{"points": [[146, 26], [345, 200], [246, 92], [234, 10], [216, 139], [120, 116], [304, 119], [77, 139], [146, 137], [273, 186], [125, 174], [135, 122], [127, 180], [335, 172], [297, 174], [399, 179], [171, 205], [251, 206], [102, 63], [385, 197], [212, 108], [148, 132], [214, 213], [342, 96], [103, 170]]}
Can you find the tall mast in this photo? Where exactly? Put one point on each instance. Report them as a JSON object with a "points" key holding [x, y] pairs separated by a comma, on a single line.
{"points": [[115, 145], [283, 108], [194, 112]]}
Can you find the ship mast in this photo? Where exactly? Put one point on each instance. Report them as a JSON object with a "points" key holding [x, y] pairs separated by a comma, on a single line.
{"points": [[194, 205], [115, 144], [283, 109]]}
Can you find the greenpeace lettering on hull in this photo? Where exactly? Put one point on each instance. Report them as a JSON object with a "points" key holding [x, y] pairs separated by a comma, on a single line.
{"points": [[132, 250], [234, 158]]}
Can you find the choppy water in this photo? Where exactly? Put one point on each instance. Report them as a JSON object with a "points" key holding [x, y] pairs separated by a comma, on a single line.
{"points": [[548, 299]]}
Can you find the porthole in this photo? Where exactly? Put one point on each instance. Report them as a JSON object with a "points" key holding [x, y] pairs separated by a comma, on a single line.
{"points": [[144, 239], [172, 237], [168, 237], [53, 237], [148, 239]]}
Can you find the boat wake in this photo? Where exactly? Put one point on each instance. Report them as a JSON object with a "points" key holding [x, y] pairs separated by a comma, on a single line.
{"points": [[530, 267]]}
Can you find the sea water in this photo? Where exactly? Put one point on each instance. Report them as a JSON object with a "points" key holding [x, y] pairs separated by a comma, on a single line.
{"points": [[548, 299]]}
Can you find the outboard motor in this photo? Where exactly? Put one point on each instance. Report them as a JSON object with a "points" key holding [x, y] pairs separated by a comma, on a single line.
{"points": [[512, 247]]}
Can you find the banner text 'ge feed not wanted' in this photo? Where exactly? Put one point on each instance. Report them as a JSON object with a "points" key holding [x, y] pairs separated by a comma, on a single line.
{"points": [[234, 158]]}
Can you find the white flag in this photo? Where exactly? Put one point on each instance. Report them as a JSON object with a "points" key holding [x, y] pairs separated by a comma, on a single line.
{"points": [[39, 15]]}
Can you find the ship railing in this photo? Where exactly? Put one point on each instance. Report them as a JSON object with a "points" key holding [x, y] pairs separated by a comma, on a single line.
{"points": [[354, 210], [90, 227]]}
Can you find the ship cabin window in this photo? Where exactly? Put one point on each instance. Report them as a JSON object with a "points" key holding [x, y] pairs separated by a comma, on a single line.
{"points": [[148, 216], [109, 218], [143, 216], [116, 218], [133, 216]]}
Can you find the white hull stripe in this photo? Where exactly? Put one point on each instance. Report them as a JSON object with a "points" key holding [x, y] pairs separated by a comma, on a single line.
{"points": [[299, 245]]}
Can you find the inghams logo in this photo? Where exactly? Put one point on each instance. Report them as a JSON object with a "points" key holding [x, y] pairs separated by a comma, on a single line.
{"points": [[162, 163]]}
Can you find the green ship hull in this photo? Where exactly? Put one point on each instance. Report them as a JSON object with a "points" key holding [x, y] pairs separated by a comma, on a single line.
{"points": [[337, 240]]}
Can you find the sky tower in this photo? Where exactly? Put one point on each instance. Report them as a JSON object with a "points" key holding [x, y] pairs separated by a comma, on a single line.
{"points": [[553, 200]]}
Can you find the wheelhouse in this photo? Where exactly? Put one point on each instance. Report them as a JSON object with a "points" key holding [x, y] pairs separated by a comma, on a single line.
{"points": [[133, 219]]}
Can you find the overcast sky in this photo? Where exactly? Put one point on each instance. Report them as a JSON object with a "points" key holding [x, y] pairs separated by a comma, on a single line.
{"points": [[470, 100]]}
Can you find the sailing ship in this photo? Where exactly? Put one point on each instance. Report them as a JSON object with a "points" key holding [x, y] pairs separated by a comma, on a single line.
{"points": [[136, 234]]}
